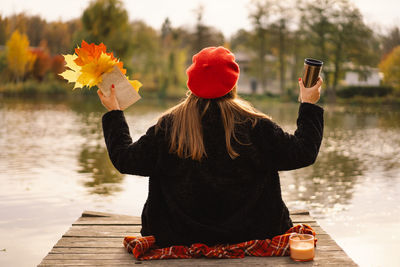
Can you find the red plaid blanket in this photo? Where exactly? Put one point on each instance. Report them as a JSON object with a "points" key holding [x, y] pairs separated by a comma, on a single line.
{"points": [[144, 248]]}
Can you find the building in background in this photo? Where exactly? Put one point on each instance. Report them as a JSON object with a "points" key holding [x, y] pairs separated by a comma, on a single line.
{"points": [[367, 77]]}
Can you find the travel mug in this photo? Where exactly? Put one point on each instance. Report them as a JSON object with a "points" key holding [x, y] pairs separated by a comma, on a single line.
{"points": [[311, 71]]}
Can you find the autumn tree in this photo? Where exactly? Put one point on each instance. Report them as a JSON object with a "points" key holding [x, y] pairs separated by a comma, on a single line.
{"points": [[43, 61], [58, 37], [4, 25], [18, 22], [19, 59], [35, 29], [390, 67], [391, 40], [57, 66]]}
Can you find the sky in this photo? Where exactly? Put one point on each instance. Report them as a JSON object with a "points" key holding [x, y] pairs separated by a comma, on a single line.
{"points": [[226, 15]]}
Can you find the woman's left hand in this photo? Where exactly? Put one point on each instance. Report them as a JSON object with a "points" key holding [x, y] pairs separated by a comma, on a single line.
{"points": [[109, 102]]}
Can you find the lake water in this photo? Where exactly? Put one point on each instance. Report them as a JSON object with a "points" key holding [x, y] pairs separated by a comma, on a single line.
{"points": [[54, 165]]}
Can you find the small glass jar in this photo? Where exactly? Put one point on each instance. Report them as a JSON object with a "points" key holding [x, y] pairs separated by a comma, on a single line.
{"points": [[301, 247]]}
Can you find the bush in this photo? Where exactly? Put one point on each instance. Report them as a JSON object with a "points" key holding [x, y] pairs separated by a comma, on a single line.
{"points": [[33, 87], [366, 91]]}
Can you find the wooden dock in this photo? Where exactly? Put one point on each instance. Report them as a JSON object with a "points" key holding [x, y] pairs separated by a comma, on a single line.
{"points": [[95, 239]]}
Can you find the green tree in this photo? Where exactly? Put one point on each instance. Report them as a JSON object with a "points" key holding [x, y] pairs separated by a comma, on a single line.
{"points": [[145, 61], [240, 40], [107, 21], [282, 15], [173, 59], [351, 40], [338, 36], [19, 59], [204, 35], [316, 20], [299, 49], [260, 19]]}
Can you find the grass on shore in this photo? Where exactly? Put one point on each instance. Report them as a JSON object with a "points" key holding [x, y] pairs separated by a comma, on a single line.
{"points": [[52, 88]]}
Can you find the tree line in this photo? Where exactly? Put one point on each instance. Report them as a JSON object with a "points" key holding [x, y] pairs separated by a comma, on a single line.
{"points": [[282, 34]]}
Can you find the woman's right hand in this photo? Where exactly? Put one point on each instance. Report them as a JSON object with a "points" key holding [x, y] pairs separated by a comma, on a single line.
{"points": [[109, 102], [310, 94]]}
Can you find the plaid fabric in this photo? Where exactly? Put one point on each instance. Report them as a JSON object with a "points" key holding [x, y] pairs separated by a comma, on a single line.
{"points": [[144, 248]]}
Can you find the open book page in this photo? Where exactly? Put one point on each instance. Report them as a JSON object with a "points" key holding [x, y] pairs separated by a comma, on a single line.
{"points": [[126, 94]]}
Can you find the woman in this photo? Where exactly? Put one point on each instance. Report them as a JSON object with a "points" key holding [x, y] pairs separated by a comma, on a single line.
{"points": [[213, 160]]}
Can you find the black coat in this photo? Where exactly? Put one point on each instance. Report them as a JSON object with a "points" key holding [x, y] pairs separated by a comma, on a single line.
{"points": [[217, 200]]}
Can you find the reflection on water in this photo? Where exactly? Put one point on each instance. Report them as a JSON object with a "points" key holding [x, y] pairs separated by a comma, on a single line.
{"points": [[326, 186], [104, 178], [54, 165]]}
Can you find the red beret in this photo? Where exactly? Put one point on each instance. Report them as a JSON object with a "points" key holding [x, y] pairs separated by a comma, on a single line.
{"points": [[213, 73]]}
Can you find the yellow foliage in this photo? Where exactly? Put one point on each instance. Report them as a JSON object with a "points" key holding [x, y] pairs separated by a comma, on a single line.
{"points": [[19, 59], [91, 72], [390, 67], [135, 84], [73, 74]]}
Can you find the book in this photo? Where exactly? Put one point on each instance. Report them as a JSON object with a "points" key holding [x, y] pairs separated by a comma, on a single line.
{"points": [[125, 93]]}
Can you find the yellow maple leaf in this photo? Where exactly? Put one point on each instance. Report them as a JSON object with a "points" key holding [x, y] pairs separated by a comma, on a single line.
{"points": [[70, 60], [91, 72], [135, 84], [74, 71], [72, 77]]}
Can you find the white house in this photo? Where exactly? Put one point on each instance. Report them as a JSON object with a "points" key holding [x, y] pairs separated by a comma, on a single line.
{"points": [[362, 76]]}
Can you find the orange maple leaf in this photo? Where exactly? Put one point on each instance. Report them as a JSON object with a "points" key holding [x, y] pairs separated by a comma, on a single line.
{"points": [[87, 53], [119, 63]]}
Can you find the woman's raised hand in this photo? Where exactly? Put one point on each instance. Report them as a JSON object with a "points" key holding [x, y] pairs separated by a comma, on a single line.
{"points": [[310, 94], [109, 102]]}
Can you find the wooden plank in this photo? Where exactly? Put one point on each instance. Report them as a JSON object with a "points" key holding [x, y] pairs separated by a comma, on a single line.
{"points": [[107, 221], [106, 242], [89, 242], [299, 212], [137, 221], [102, 231], [112, 222], [95, 239], [321, 259], [302, 219], [67, 250], [121, 231], [89, 213]]}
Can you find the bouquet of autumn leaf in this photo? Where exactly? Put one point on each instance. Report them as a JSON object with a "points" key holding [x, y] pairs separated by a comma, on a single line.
{"points": [[91, 65]]}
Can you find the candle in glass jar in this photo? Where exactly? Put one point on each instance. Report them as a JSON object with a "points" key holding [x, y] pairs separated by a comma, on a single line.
{"points": [[301, 247]]}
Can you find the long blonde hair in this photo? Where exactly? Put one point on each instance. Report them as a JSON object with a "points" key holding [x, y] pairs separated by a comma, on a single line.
{"points": [[186, 133]]}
